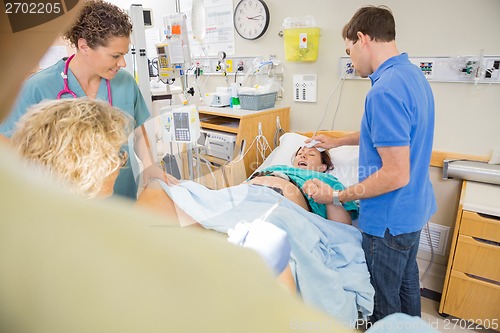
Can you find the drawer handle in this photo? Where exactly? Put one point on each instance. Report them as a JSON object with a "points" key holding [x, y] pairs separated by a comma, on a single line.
{"points": [[475, 277], [485, 241], [487, 216]]}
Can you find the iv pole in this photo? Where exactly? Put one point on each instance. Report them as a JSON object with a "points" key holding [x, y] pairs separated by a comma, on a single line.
{"points": [[141, 70]]}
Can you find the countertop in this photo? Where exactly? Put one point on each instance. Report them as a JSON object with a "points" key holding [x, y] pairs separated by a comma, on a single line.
{"points": [[482, 198]]}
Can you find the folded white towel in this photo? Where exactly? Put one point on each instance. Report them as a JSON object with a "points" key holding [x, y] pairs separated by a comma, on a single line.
{"points": [[266, 239]]}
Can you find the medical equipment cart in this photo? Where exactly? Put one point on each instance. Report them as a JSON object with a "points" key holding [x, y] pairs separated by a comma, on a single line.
{"points": [[472, 284], [245, 124]]}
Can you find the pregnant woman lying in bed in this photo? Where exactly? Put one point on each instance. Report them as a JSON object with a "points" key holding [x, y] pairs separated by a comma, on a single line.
{"points": [[326, 265], [306, 183]]}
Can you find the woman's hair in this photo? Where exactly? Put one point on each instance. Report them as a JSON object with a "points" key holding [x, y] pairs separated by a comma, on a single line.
{"points": [[376, 22], [77, 140], [325, 159], [97, 23]]}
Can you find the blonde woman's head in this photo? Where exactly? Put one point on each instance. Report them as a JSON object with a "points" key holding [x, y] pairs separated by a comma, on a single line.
{"points": [[76, 140]]}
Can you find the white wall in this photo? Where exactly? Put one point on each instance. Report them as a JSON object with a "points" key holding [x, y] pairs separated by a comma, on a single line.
{"points": [[467, 117]]}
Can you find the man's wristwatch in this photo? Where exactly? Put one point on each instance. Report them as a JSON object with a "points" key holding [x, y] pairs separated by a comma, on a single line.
{"points": [[336, 200]]}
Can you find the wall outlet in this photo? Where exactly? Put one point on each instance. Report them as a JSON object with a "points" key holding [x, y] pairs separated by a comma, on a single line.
{"points": [[463, 69], [492, 69], [346, 70], [304, 88], [229, 65]]}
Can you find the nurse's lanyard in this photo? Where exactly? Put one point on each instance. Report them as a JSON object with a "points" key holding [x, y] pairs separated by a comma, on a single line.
{"points": [[66, 89]]}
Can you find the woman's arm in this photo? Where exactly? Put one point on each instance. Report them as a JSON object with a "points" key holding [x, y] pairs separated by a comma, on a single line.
{"points": [[322, 193], [338, 214], [155, 199]]}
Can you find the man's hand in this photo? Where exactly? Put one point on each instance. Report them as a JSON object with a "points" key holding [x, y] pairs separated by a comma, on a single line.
{"points": [[324, 141], [319, 191], [328, 142]]}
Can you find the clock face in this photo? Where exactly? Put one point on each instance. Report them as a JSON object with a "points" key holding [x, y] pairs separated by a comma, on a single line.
{"points": [[251, 18]]}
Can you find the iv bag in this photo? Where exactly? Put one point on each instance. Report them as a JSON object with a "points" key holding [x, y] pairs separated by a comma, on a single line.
{"points": [[199, 20]]}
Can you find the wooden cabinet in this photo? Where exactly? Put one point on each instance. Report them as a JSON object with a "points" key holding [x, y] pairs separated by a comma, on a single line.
{"points": [[472, 284], [245, 124]]}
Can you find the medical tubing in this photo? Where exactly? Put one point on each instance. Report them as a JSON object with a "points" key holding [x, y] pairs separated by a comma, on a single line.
{"points": [[197, 153], [270, 210], [327, 103], [247, 74], [224, 178], [224, 175], [209, 166], [427, 270], [277, 135], [338, 105], [203, 48], [277, 132], [262, 147], [261, 144], [253, 72]]}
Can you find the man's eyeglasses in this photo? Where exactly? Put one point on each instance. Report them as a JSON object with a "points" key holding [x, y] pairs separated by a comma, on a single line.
{"points": [[348, 51]]}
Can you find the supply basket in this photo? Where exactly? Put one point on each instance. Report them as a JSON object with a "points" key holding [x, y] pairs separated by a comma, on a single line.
{"points": [[257, 102]]}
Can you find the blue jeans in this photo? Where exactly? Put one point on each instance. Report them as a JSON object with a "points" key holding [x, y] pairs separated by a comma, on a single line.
{"points": [[392, 262]]}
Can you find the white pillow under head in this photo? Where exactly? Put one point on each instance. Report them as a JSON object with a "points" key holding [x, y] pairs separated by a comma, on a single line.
{"points": [[344, 158]]}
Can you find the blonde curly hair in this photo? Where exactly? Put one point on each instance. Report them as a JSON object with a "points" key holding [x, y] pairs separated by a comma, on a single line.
{"points": [[77, 140]]}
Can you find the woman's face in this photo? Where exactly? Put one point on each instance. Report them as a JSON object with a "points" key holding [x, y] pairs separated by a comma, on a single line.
{"points": [[107, 60], [310, 159]]}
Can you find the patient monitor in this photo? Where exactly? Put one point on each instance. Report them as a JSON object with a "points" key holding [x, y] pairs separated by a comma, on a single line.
{"points": [[181, 124], [165, 137]]}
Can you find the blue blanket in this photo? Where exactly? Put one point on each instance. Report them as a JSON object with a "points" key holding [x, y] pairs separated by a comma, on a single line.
{"points": [[327, 260]]}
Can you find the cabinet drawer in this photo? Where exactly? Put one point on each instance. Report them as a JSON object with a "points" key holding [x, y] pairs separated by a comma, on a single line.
{"points": [[481, 226], [476, 257], [472, 299]]}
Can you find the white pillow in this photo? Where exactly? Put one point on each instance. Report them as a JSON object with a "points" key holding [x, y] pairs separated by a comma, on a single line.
{"points": [[345, 158], [346, 164]]}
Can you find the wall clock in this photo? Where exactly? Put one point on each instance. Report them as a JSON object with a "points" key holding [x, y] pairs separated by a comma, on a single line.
{"points": [[251, 18]]}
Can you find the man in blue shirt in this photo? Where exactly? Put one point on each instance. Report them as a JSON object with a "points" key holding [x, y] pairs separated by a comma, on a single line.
{"points": [[394, 190]]}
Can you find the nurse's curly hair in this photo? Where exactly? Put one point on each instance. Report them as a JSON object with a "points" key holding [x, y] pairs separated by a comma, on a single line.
{"points": [[76, 141], [97, 22]]}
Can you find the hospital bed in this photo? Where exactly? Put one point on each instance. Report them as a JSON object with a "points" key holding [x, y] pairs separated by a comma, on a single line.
{"points": [[233, 173], [327, 260], [345, 158]]}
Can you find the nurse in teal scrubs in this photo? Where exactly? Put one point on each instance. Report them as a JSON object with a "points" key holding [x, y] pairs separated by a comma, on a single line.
{"points": [[101, 37]]}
